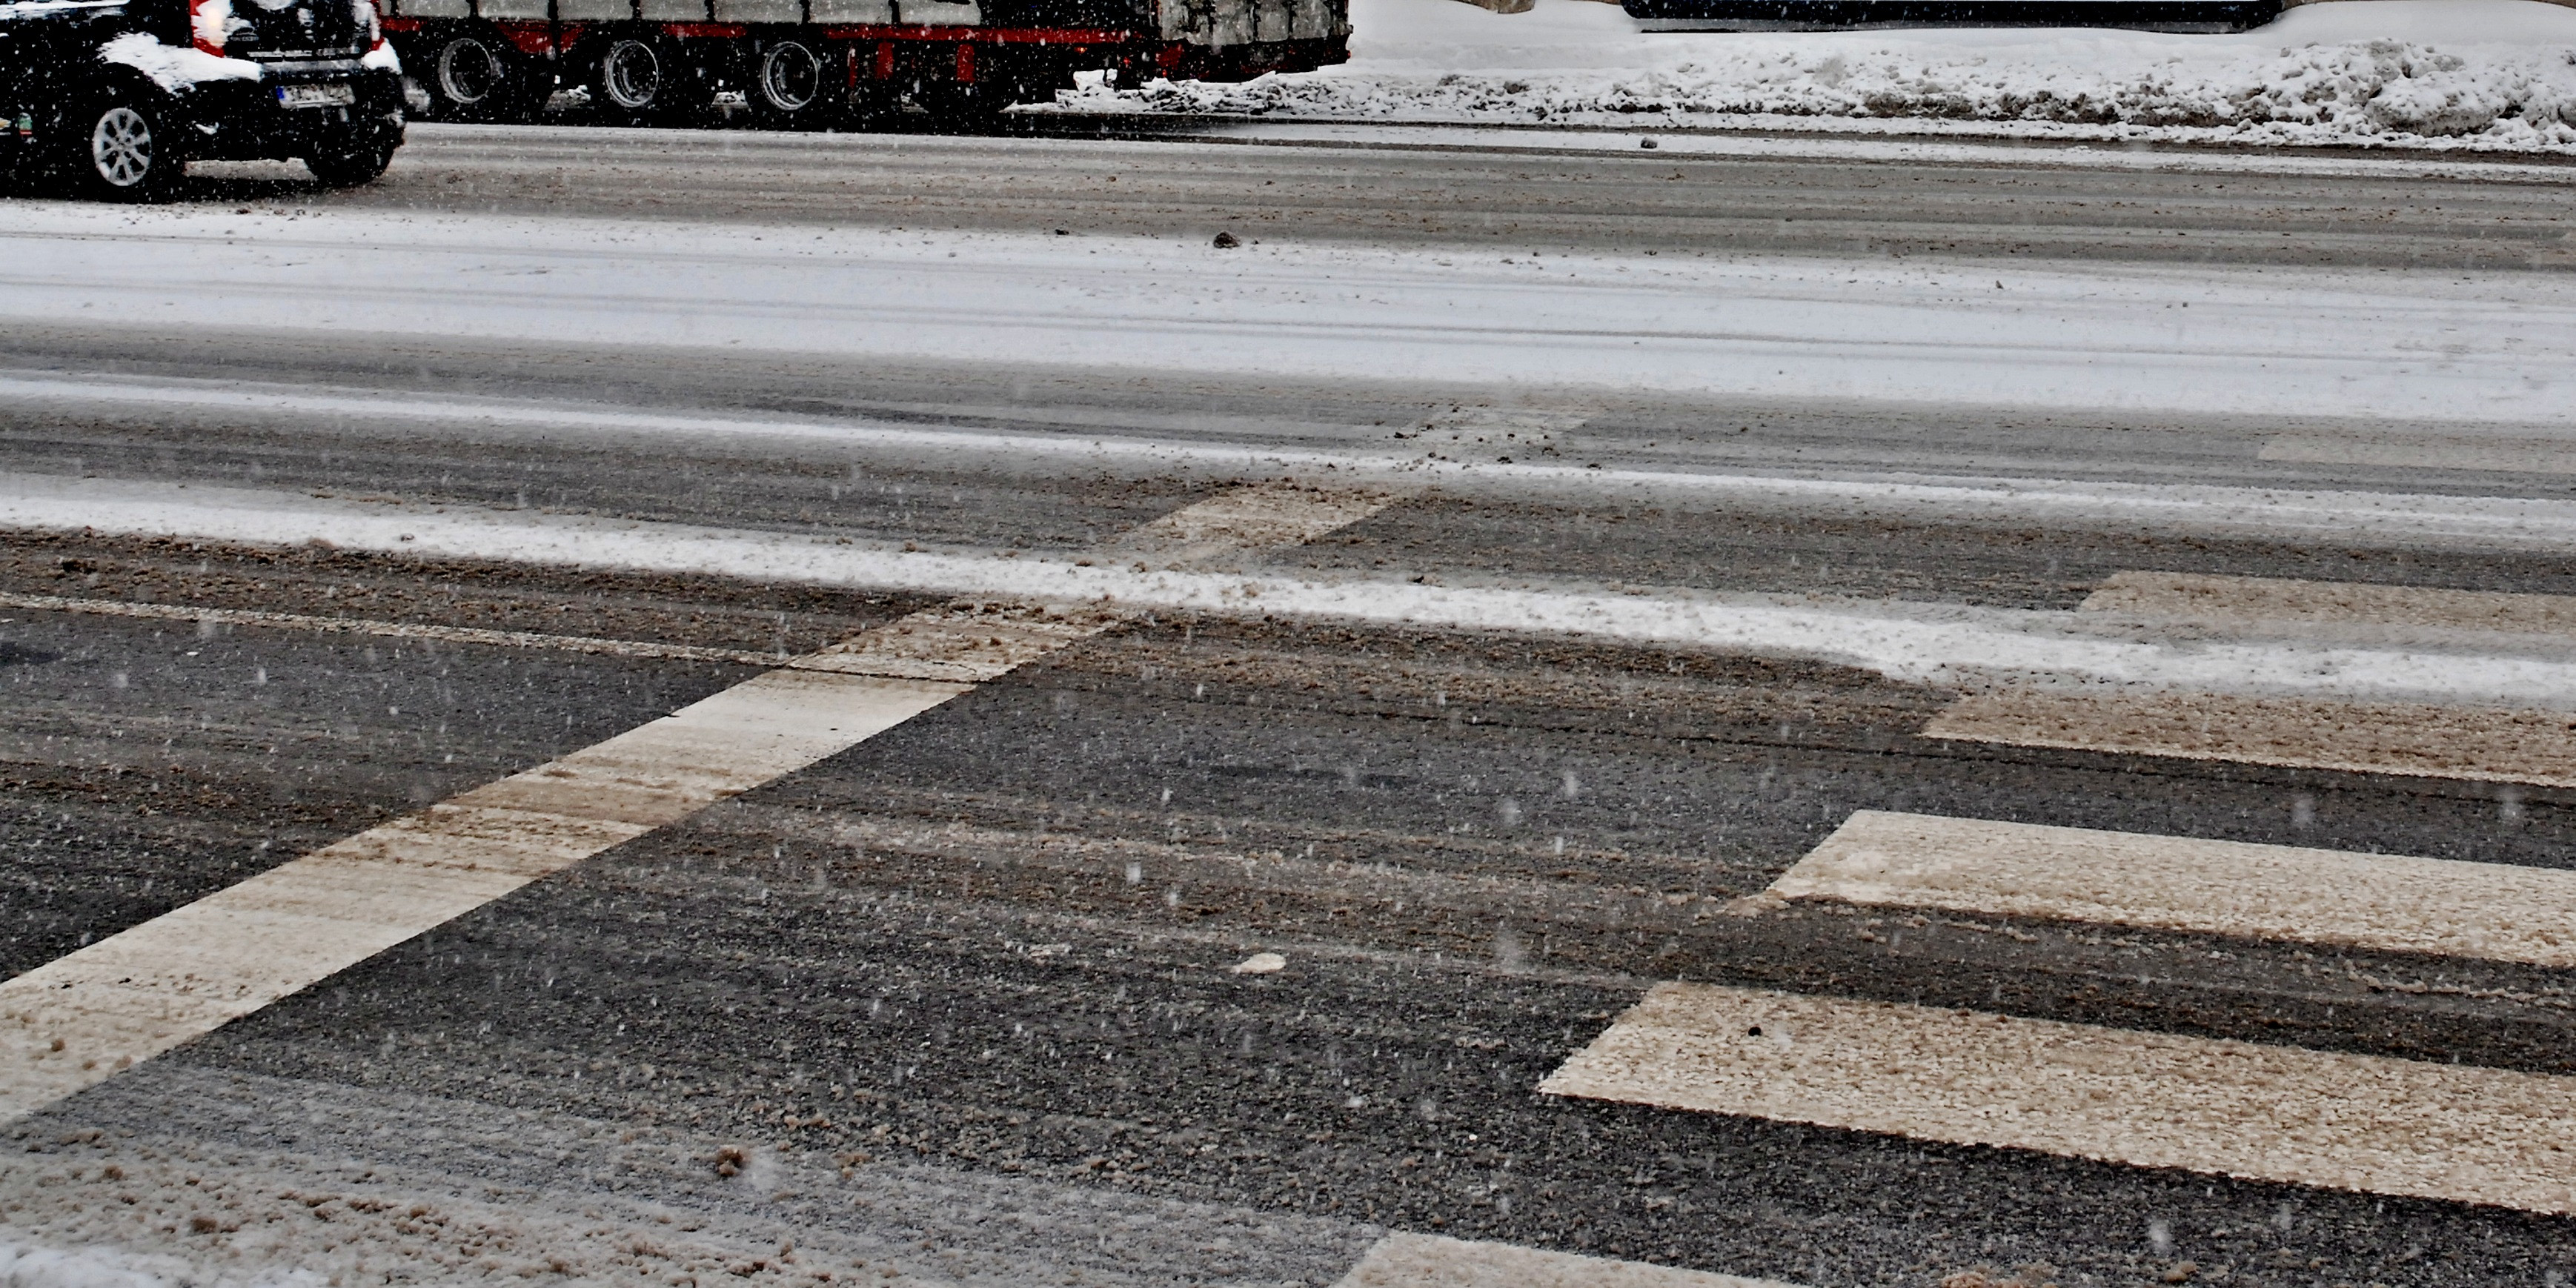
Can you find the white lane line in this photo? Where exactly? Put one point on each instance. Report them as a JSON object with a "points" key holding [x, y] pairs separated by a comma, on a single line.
{"points": [[2226, 603], [2476, 744], [1431, 1261], [80, 1018], [2350, 1122], [395, 630], [1910, 642], [2486, 522], [2499, 455], [2494, 911]]}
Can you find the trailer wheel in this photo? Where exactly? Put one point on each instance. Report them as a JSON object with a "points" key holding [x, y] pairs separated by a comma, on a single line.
{"points": [[788, 83], [474, 76], [126, 147], [631, 83]]}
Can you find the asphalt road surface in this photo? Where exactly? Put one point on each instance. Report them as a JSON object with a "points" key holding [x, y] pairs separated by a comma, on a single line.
{"points": [[1551, 190], [872, 776]]}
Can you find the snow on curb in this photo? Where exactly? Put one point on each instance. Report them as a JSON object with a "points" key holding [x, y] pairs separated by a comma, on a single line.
{"points": [[2378, 72]]}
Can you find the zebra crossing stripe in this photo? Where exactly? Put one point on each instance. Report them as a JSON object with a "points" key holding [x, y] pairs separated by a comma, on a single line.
{"points": [[1431, 1261], [2220, 1107], [2419, 452], [80, 1018], [2370, 1124], [2477, 744], [2223, 602], [2494, 911]]}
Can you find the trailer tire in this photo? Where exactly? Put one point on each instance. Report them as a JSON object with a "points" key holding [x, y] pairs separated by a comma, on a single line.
{"points": [[790, 84], [126, 145], [476, 76], [633, 82]]}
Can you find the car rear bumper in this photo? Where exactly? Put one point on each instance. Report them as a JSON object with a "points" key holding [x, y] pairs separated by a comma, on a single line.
{"points": [[244, 120]]}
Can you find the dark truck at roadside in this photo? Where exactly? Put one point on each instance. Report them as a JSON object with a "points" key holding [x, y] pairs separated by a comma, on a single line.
{"points": [[116, 97]]}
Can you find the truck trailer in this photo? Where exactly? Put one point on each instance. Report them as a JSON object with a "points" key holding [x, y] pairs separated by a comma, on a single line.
{"points": [[814, 63]]}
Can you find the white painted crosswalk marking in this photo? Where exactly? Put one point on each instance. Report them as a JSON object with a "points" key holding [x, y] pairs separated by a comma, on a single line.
{"points": [[2427, 452], [2389, 902], [77, 1020], [1251, 518], [2198, 599], [2363, 1123], [1430, 1261], [131, 996], [2351, 1122], [2479, 744]]}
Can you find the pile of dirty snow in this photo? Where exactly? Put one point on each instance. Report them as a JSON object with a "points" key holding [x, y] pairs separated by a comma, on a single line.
{"points": [[2486, 74]]}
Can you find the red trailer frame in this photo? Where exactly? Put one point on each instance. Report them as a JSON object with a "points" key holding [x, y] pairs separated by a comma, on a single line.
{"points": [[828, 62]]}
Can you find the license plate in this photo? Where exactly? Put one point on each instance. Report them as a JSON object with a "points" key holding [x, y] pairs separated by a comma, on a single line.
{"points": [[316, 95]]}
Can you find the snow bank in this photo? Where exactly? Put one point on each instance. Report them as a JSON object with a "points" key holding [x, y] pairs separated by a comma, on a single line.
{"points": [[23, 1266], [2485, 74]]}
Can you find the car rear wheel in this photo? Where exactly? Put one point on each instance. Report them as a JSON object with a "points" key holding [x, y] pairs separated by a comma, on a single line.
{"points": [[352, 166], [126, 148]]}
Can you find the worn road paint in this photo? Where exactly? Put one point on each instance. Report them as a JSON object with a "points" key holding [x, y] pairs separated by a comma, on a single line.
{"points": [[1251, 518], [2350, 1122], [2479, 744], [2236, 602], [395, 630], [2494, 911], [1431, 1261], [80, 1018], [2502, 455]]}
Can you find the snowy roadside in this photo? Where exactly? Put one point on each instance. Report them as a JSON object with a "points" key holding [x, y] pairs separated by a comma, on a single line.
{"points": [[2457, 74]]}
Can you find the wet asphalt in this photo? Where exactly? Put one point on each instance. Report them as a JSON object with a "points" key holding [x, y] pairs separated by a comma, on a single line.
{"points": [[994, 941]]}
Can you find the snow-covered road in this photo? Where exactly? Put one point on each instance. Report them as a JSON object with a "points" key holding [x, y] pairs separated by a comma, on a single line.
{"points": [[2409, 346]]}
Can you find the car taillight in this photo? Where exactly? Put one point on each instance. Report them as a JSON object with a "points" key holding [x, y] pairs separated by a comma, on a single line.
{"points": [[209, 22], [368, 21]]}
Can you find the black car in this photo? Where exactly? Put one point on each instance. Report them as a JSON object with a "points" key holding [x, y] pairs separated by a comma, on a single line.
{"points": [[117, 96]]}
